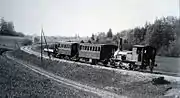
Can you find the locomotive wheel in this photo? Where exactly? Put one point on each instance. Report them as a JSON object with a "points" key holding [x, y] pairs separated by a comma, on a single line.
{"points": [[66, 58], [61, 56], [77, 59], [151, 69], [94, 62], [130, 66]]}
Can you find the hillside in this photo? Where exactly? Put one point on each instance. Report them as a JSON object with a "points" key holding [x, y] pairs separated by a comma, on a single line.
{"points": [[13, 42]]}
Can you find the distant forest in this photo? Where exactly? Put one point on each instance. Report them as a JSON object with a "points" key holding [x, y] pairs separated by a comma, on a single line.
{"points": [[7, 29], [163, 34]]}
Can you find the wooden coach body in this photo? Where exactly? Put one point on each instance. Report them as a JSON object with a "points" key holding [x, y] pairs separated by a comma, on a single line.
{"points": [[96, 51], [67, 48]]}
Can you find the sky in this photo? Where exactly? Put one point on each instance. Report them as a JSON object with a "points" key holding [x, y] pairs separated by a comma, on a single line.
{"points": [[83, 17]]}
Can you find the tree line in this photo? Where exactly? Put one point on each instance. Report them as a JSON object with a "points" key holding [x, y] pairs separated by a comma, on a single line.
{"points": [[7, 29], [163, 34]]}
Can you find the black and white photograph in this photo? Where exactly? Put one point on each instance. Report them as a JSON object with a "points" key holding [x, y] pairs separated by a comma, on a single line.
{"points": [[89, 48]]}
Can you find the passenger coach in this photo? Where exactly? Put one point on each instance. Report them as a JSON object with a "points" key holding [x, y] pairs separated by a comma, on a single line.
{"points": [[66, 49], [96, 52]]}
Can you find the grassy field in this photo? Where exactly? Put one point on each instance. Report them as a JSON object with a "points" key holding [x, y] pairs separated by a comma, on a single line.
{"points": [[12, 42], [168, 64]]}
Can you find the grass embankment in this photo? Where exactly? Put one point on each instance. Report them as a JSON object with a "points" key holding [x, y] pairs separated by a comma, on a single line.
{"points": [[17, 81], [127, 85], [13, 42]]}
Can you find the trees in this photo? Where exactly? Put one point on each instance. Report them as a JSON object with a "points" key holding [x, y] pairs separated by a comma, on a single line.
{"points": [[162, 34], [36, 40], [89, 41], [92, 37], [7, 28], [109, 33], [82, 41], [97, 39]]}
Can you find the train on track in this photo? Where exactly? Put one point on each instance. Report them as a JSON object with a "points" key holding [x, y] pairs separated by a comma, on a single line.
{"points": [[139, 58]]}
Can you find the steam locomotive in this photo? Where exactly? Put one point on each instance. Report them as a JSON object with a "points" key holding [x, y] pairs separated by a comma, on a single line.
{"points": [[139, 58]]}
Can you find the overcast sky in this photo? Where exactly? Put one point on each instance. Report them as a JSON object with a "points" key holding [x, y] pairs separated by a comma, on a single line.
{"points": [[68, 17]]}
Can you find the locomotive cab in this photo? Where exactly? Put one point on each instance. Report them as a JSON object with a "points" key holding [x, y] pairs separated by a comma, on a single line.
{"points": [[139, 58], [137, 54], [144, 56]]}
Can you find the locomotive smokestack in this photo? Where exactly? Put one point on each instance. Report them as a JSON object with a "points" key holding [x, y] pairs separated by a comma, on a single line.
{"points": [[120, 44]]}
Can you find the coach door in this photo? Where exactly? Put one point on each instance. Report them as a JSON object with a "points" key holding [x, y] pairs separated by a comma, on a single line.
{"points": [[74, 49]]}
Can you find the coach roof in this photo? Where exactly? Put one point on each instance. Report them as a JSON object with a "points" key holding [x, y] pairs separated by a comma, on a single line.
{"points": [[89, 44], [61, 42]]}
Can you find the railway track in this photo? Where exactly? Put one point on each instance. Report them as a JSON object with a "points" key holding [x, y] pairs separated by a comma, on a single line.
{"points": [[168, 75]]}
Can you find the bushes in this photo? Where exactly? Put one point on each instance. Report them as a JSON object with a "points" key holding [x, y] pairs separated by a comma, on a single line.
{"points": [[27, 42], [160, 80]]}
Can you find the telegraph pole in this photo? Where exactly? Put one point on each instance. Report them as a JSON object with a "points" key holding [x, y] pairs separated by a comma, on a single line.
{"points": [[41, 47], [46, 44]]}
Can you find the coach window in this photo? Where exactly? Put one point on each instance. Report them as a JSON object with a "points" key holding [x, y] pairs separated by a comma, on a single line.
{"points": [[99, 49], [90, 48], [87, 48], [93, 48], [84, 48], [80, 47]]}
